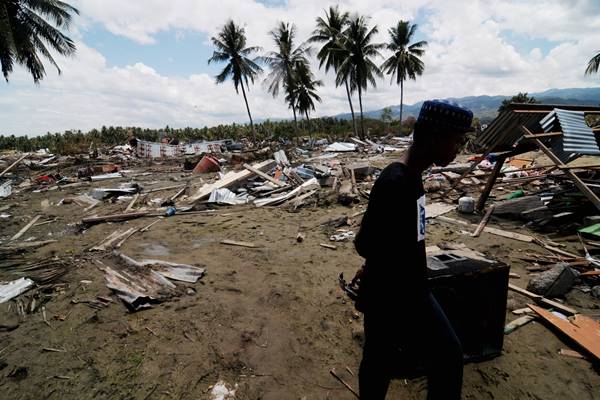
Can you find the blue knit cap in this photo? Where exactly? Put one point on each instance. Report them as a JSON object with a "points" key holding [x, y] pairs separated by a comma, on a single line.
{"points": [[446, 115]]}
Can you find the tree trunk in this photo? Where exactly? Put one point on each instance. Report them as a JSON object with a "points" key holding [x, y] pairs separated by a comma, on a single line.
{"points": [[401, 102], [351, 108], [362, 120], [248, 109], [308, 125], [296, 135]]}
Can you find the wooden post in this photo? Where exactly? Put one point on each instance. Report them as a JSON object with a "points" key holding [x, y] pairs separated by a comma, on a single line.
{"points": [[578, 182], [490, 184]]}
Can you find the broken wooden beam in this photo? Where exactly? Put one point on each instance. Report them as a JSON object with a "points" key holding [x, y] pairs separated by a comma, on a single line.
{"points": [[114, 217], [11, 166], [264, 176], [25, 228], [541, 299], [237, 243]]}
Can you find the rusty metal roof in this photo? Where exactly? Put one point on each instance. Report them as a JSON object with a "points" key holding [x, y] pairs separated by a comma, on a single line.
{"points": [[505, 131]]}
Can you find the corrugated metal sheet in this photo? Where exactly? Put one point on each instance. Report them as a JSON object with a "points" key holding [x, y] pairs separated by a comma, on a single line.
{"points": [[160, 150], [578, 136], [504, 131]]}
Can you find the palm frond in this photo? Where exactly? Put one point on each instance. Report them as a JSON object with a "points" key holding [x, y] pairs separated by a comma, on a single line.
{"points": [[593, 65]]}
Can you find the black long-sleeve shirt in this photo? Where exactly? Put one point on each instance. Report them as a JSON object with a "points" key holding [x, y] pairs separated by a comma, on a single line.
{"points": [[392, 234]]}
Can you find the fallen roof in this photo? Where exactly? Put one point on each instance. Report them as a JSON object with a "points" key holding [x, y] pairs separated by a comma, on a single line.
{"points": [[504, 131]]}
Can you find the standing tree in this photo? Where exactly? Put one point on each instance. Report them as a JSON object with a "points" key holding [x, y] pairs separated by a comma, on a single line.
{"points": [[25, 35], [284, 62], [305, 93], [357, 64], [593, 65], [330, 31], [404, 63], [231, 48], [519, 98]]}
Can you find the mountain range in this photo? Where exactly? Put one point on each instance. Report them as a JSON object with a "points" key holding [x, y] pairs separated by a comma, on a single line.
{"points": [[486, 107]]}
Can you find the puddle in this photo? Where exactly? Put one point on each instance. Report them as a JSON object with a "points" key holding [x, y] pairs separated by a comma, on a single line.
{"points": [[155, 249], [199, 242]]}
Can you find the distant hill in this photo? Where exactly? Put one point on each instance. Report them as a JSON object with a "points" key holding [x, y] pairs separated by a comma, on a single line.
{"points": [[486, 107]]}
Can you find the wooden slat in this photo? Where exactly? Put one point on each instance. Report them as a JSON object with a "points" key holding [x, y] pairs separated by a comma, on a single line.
{"points": [[543, 300], [583, 330], [25, 228], [543, 135]]}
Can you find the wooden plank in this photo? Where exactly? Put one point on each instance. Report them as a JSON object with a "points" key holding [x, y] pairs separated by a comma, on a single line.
{"points": [[561, 252], [578, 182], [236, 243], [543, 135], [571, 353], [164, 188], [25, 228], [130, 206], [583, 330], [228, 179], [483, 222], [489, 229], [511, 235], [114, 217], [11, 166], [264, 176], [328, 246], [543, 300]]}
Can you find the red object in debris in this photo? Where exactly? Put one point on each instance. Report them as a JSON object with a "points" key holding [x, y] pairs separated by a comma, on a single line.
{"points": [[45, 179], [207, 164]]}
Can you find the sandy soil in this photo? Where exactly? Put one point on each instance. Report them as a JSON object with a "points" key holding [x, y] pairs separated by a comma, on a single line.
{"points": [[271, 320]]}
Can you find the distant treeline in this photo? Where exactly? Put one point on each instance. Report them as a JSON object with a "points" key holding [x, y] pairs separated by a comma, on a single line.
{"points": [[75, 142]]}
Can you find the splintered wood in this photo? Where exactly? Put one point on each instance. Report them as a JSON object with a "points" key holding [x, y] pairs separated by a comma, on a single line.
{"points": [[583, 330]]}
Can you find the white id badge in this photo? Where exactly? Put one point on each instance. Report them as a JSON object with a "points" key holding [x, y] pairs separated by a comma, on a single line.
{"points": [[421, 218]]}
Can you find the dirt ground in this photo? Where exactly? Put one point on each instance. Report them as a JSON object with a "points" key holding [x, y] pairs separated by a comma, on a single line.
{"points": [[271, 320]]}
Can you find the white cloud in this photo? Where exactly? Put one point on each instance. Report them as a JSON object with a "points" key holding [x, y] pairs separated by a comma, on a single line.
{"points": [[468, 54]]}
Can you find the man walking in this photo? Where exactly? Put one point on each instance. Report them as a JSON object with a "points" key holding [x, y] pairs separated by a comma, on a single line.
{"points": [[404, 325]]}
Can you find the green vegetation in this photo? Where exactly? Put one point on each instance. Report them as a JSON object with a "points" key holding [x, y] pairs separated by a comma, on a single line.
{"points": [[593, 65], [25, 35], [76, 142], [231, 48], [519, 98], [405, 62], [347, 48], [331, 31], [289, 66], [356, 63]]}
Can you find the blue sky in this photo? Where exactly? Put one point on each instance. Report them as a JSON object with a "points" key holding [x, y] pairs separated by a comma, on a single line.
{"points": [[144, 62]]}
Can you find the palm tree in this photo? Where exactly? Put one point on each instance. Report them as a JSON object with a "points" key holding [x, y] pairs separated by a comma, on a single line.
{"points": [[593, 65], [330, 31], [231, 48], [25, 35], [305, 94], [284, 62], [356, 64], [404, 63]]}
